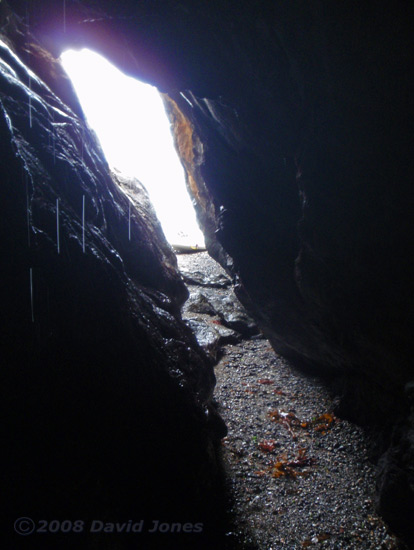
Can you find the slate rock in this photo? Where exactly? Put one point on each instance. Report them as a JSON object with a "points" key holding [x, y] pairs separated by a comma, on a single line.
{"points": [[233, 314], [199, 303], [107, 397], [206, 280], [293, 145], [211, 334]]}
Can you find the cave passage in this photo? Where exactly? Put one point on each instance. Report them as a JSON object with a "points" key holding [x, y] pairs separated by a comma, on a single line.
{"points": [[130, 121]]}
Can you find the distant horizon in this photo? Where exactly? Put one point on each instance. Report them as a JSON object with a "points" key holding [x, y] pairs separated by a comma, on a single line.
{"points": [[132, 126]]}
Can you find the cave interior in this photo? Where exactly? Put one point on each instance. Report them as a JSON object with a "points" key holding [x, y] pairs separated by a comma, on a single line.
{"points": [[293, 122]]}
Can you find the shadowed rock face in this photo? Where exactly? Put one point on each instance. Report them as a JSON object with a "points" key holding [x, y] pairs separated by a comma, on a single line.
{"points": [[294, 122], [106, 393]]}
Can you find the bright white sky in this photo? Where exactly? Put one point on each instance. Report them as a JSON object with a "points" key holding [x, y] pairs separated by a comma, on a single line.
{"points": [[130, 120]]}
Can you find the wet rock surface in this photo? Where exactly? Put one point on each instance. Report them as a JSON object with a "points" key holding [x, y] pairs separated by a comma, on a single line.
{"points": [[199, 278], [212, 310], [298, 475], [298, 150], [106, 395]]}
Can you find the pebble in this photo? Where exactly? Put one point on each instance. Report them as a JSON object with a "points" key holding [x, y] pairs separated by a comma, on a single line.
{"points": [[328, 504]]}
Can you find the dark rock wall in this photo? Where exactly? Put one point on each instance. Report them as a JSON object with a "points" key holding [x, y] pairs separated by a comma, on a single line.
{"points": [[297, 118], [106, 395]]}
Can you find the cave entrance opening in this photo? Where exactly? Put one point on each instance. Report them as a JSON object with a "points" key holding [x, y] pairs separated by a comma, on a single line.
{"points": [[130, 121]]}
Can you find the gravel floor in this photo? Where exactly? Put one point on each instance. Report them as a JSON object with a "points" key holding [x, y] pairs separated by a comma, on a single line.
{"points": [[299, 476]]}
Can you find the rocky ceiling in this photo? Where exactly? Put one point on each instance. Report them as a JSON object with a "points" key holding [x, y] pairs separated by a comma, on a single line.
{"points": [[294, 120]]}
